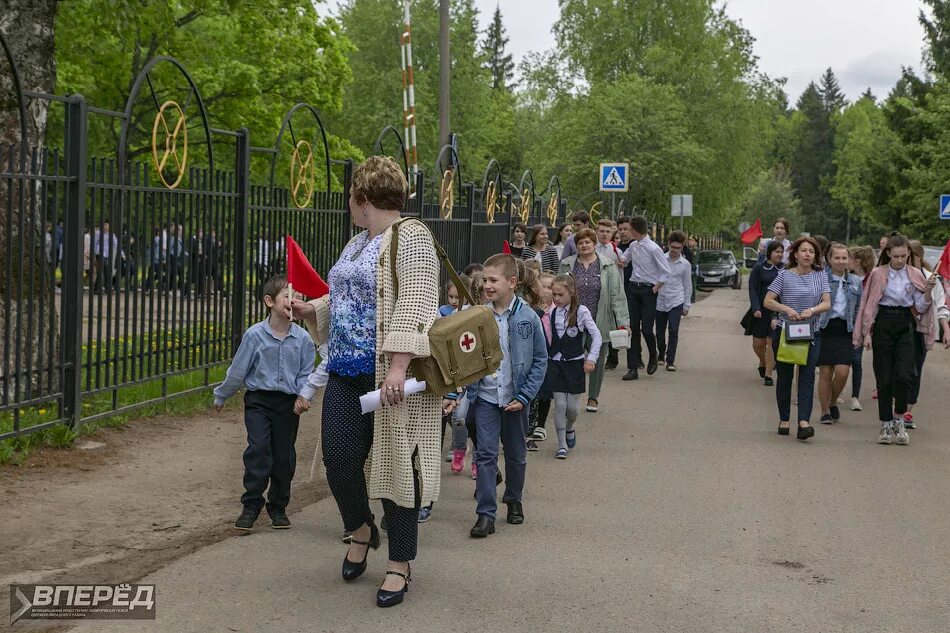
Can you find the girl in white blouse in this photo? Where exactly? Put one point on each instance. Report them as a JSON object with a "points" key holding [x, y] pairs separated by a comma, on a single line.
{"points": [[565, 325]]}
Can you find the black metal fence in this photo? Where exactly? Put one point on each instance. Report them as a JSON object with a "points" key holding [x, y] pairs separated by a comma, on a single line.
{"points": [[129, 278]]}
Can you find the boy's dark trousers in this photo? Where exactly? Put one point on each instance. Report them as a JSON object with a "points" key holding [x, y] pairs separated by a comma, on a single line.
{"points": [[270, 456]]}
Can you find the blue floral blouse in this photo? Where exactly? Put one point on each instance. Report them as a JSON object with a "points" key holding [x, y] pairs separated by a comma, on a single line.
{"points": [[353, 308]]}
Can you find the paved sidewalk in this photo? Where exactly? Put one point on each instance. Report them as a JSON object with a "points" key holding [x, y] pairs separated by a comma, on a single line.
{"points": [[680, 510]]}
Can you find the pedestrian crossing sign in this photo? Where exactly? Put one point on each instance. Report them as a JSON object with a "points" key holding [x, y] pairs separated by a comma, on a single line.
{"points": [[613, 177], [945, 207]]}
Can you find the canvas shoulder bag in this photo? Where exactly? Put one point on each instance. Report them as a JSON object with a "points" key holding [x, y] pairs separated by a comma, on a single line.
{"points": [[464, 346]]}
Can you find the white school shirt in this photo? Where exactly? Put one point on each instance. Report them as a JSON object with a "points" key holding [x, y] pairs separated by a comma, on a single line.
{"points": [[678, 289], [585, 322], [899, 292], [650, 265], [319, 377]]}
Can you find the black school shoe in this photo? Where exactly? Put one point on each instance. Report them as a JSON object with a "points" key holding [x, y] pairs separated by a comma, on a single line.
{"points": [[279, 520], [483, 527], [835, 413], [246, 520], [515, 513]]}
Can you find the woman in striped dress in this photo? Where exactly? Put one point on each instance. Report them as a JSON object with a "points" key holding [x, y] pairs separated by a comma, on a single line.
{"points": [[799, 294], [541, 249]]}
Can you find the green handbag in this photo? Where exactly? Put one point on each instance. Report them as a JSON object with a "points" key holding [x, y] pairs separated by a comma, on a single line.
{"points": [[792, 353]]}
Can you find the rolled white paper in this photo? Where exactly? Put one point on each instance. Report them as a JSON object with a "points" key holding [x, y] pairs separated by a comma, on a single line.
{"points": [[371, 401]]}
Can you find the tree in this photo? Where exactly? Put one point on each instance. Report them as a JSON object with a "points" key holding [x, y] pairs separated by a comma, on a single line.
{"points": [[28, 28], [831, 95], [812, 162], [499, 62], [769, 197], [374, 99], [251, 61], [937, 31], [864, 157]]}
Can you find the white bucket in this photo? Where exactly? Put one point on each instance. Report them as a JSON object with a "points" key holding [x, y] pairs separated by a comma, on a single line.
{"points": [[620, 339]]}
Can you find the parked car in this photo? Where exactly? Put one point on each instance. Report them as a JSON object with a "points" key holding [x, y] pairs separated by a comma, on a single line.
{"points": [[749, 256], [718, 268]]}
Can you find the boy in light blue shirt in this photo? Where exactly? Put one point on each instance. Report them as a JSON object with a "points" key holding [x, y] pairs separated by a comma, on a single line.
{"points": [[273, 362]]}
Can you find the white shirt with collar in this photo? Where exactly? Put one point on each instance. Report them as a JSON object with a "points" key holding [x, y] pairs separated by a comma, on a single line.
{"points": [[650, 264], [678, 289], [900, 292]]}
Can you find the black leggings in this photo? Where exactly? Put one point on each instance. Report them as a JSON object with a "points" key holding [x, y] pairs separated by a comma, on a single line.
{"points": [[920, 348], [892, 342], [347, 440]]}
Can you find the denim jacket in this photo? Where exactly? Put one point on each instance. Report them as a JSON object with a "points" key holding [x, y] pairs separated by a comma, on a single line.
{"points": [[853, 286], [528, 351]]}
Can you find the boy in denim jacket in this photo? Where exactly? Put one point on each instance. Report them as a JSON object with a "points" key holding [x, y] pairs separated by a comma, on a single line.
{"points": [[500, 401]]}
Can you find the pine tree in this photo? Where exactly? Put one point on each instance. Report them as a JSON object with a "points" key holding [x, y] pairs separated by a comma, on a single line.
{"points": [[498, 61], [867, 94], [812, 160], [831, 95], [937, 30]]}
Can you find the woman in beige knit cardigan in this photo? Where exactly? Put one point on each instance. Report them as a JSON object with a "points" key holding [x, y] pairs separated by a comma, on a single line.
{"points": [[393, 455]]}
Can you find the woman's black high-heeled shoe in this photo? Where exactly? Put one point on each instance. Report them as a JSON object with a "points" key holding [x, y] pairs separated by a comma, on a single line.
{"points": [[351, 570], [783, 430], [392, 598]]}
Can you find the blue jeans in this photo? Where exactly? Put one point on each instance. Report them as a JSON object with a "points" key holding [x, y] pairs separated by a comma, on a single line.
{"points": [[786, 376], [491, 423], [673, 319]]}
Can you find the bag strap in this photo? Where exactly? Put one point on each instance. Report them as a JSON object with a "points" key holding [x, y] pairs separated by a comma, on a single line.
{"points": [[463, 291]]}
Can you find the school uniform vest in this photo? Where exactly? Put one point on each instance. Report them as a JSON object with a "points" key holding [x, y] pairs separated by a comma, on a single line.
{"points": [[570, 345]]}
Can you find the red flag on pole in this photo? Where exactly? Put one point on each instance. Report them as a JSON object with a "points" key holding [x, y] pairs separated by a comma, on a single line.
{"points": [[753, 233], [943, 266], [506, 247], [301, 274]]}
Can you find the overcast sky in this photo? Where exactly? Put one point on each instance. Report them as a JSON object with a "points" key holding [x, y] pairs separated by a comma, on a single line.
{"points": [[865, 41]]}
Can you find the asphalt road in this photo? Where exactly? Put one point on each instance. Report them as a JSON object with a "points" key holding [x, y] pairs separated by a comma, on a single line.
{"points": [[680, 510]]}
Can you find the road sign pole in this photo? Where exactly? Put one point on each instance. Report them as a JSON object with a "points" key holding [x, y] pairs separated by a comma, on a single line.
{"points": [[613, 205]]}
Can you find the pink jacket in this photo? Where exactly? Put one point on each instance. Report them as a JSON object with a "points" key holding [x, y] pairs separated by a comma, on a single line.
{"points": [[874, 290]]}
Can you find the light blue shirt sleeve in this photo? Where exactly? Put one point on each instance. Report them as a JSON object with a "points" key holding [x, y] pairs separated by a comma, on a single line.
{"points": [[241, 365]]}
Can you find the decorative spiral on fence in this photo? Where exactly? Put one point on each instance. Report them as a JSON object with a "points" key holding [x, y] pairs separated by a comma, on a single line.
{"points": [[524, 211], [595, 212], [447, 194], [552, 210], [174, 144], [491, 202], [302, 174]]}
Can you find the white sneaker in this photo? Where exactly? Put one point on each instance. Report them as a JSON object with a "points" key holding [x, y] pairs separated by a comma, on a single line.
{"points": [[840, 400], [856, 405], [885, 436], [903, 437]]}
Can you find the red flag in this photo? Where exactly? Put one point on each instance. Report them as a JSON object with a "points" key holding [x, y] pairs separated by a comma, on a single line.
{"points": [[943, 266], [506, 247], [753, 233], [301, 274]]}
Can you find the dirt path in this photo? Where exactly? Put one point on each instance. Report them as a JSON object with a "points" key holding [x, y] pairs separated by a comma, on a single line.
{"points": [[157, 490]]}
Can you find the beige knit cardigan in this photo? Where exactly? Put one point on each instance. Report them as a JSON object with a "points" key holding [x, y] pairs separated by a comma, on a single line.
{"points": [[414, 427]]}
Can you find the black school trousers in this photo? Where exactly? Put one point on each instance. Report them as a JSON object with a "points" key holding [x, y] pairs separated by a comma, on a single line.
{"points": [[895, 362], [271, 456]]}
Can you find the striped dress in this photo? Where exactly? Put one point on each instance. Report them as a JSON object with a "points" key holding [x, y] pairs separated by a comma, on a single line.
{"points": [[800, 292]]}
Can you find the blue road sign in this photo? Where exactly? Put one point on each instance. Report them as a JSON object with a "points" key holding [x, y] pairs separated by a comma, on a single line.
{"points": [[613, 176], [945, 207]]}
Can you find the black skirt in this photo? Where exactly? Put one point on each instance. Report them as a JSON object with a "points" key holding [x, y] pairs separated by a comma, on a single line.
{"points": [[564, 376], [836, 346], [760, 327]]}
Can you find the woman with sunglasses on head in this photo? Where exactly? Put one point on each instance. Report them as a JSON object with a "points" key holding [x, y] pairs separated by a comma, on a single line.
{"points": [[799, 294], [896, 304]]}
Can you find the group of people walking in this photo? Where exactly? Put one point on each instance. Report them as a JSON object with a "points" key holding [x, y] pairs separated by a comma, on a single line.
{"points": [[555, 308], [812, 305], [817, 306]]}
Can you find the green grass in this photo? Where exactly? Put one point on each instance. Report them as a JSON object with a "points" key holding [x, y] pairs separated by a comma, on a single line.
{"points": [[16, 450]]}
